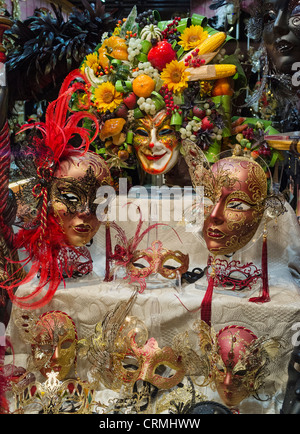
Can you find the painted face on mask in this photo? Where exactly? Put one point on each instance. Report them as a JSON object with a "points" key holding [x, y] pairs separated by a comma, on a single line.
{"points": [[282, 33], [232, 372], [55, 344], [73, 194], [232, 220], [156, 144]]}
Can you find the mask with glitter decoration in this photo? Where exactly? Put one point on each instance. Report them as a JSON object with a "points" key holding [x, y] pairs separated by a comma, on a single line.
{"points": [[238, 204], [54, 347], [73, 193]]}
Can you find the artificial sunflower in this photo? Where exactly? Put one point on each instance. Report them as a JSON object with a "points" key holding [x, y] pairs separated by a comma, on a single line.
{"points": [[175, 76], [92, 62], [192, 37], [106, 97]]}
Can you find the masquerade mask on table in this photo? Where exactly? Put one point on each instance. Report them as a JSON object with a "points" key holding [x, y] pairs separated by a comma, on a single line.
{"points": [[237, 190], [63, 179], [54, 396], [154, 258], [53, 339], [239, 360], [144, 87], [121, 353]]}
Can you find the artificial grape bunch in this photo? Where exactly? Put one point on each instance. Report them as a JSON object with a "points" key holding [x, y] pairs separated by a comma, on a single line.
{"points": [[264, 150], [248, 133], [145, 18]]}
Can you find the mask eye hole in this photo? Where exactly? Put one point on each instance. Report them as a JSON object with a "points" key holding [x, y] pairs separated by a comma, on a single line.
{"points": [[46, 348], [238, 205], [164, 371], [165, 131], [241, 373], [141, 263], [66, 344], [130, 364], [142, 132], [68, 196]]}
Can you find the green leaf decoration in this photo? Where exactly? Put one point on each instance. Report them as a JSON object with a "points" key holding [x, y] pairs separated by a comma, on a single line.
{"points": [[130, 23]]}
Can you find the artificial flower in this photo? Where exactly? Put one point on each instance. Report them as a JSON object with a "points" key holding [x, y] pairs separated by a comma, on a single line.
{"points": [[106, 97], [192, 37], [175, 76], [92, 62]]}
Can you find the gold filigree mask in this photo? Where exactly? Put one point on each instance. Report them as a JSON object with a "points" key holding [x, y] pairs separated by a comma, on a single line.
{"points": [[238, 204], [73, 193], [156, 259], [238, 359], [53, 340], [55, 346]]}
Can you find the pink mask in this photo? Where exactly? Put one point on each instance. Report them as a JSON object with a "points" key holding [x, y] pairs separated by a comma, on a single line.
{"points": [[240, 189]]}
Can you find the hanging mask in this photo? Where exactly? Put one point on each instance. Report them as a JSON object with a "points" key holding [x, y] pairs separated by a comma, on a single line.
{"points": [[281, 34], [156, 143]]}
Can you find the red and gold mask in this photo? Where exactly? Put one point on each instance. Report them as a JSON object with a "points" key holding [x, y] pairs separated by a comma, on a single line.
{"points": [[156, 261], [233, 374], [54, 347], [73, 194], [240, 189], [156, 143], [238, 360]]}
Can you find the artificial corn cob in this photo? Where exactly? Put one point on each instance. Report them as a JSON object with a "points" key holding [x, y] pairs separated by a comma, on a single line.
{"points": [[224, 70], [212, 43], [211, 72]]}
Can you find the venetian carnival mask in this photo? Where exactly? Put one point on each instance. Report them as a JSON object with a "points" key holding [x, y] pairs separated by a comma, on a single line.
{"points": [[238, 360], [121, 353], [53, 340], [73, 194], [281, 33], [155, 260], [237, 204], [148, 362], [55, 347], [156, 143], [233, 373]]}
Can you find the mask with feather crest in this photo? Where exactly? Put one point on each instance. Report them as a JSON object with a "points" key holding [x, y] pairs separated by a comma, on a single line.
{"points": [[63, 179]]}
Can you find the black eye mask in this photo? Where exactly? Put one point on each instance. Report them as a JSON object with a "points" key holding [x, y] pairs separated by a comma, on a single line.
{"points": [[77, 195]]}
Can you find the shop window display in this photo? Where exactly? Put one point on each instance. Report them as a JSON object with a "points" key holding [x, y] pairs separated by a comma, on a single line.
{"points": [[157, 98]]}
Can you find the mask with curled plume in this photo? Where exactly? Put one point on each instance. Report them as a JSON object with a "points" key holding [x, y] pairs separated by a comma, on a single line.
{"points": [[121, 353], [63, 178], [238, 197], [239, 360]]}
